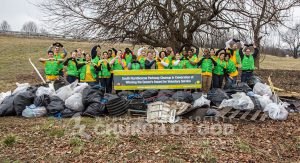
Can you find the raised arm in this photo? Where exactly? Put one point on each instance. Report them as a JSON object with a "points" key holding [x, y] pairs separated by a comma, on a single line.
{"points": [[218, 51], [200, 62], [256, 50], [213, 61], [65, 52], [140, 51]]}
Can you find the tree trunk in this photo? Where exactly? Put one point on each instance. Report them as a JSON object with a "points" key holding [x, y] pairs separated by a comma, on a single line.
{"points": [[257, 40]]}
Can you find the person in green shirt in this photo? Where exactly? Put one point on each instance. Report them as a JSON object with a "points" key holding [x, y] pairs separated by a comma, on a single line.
{"points": [[88, 71], [231, 72], [51, 66], [59, 55], [142, 56], [71, 71], [117, 63], [171, 56], [104, 73], [96, 54], [218, 71], [213, 54], [207, 64], [248, 63], [190, 59], [135, 64], [80, 55], [127, 56], [178, 63]]}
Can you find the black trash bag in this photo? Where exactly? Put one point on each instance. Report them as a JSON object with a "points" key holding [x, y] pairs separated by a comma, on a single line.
{"points": [[7, 107], [168, 93], [60, 83], [22, 100], [196, 95], [149, 93], [43, 100], [91, 95], [216, 96], [253, 80], [55, 106], [95, 109], [212, 112], [164, 98], [183, 96], [125, 94], [111, 98], [196, 114], [240, 87], [68, 113]]}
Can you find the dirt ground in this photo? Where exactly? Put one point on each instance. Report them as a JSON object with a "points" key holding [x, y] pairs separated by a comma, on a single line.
{"points": [[51, 140], [285, 79]]}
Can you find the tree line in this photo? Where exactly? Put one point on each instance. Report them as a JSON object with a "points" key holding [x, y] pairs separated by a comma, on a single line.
{"points": [[28, 27]]}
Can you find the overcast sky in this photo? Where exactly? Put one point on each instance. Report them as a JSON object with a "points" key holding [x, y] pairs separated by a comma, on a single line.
{"points": [[17, 12]]}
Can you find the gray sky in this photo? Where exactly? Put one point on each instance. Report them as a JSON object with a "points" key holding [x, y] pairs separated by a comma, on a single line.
{"points": [[17, 12]]}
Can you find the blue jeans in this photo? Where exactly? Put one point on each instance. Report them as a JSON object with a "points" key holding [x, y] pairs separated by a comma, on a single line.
{"points": [[71, 79], [229, 81], [246, 76], [217, 81], [105, 83], [92, 83]]}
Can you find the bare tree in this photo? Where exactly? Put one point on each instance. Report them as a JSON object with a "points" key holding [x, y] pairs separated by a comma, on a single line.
{"points": [[154, 22], [292, 38], [264, 16], [44, 31], [30, 27], [167, 22], [4, 26]]}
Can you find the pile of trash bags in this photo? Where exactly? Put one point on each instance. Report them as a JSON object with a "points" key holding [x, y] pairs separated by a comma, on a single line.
{"points": [[65, 100]]}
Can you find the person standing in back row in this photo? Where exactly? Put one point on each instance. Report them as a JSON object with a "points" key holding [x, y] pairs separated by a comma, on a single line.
{"points": [[51, 66], [150, 62], [72, 71], [207, 64], [248, 63], [58, 55], [88, 71], [104, 73]]}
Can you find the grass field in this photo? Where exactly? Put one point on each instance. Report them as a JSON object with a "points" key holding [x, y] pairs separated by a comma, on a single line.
{"points": [[281, 63], [53, 140], [15, 51]]}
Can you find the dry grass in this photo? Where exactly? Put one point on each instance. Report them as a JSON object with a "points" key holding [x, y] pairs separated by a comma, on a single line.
{"points": [[281, 63], [15, 51]]}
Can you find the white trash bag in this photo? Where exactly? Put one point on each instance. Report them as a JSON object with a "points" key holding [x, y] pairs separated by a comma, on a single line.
{"points": [[262, 89], [21, 88], [3, 95], [45, 91], [201, 102], [66, 91], [277, 111], [80, 88], [33, 111], [74, 102], [239, 101], [263, 100]]}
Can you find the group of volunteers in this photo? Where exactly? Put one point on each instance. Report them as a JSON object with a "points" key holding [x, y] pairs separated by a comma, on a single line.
{"points": [[98, 67]]}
